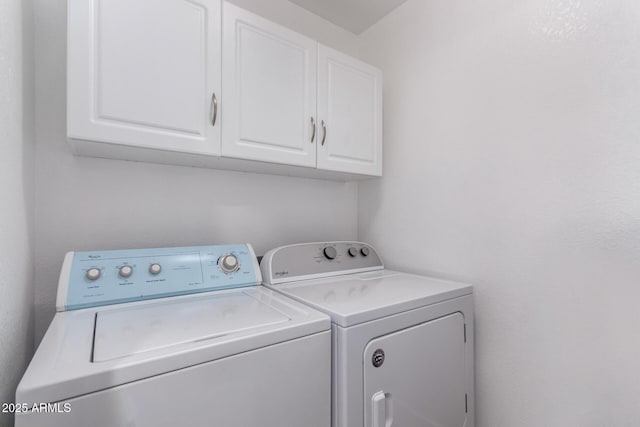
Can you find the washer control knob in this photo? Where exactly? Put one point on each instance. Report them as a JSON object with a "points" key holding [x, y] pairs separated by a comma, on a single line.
{"points": [[330, 252], [352, 252], [125, 271], [364, 251], [93, 274], [155, 268], [229, 263]]}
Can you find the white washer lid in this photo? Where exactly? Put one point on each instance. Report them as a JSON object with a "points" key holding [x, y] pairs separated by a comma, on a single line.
{"points": [[246, 319], [138, 329], [358, 298]]}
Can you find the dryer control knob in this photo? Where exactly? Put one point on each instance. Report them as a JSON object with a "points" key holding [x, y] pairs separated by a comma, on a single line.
{"points": [[229, 263], [352, 252], [155, 268], [364, 251], [330, 252], [125, 271], [93, 274]]}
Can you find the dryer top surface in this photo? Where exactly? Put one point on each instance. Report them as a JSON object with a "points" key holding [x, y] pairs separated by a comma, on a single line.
{"points": [[356, 298]]}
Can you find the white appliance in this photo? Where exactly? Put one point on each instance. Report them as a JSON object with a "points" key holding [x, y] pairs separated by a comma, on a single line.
{"points": [[402, 344], [176, 337]]}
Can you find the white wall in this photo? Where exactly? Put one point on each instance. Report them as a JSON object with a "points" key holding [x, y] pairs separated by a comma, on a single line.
{"points": [[16, 195], [512, 160], [85, 203]]}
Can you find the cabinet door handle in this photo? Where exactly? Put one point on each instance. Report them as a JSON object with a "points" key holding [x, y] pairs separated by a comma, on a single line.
{"points": [[313, 135], [324, 132], [214, 109]]}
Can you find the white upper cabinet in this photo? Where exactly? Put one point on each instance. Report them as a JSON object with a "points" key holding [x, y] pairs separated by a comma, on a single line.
{"points": [[269, 89], [145, 73], [206, 83], [349, 114]]}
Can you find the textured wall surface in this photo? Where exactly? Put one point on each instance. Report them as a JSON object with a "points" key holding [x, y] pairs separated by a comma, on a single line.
{"points": [[512, 161], [86, 203], [16, 195]]}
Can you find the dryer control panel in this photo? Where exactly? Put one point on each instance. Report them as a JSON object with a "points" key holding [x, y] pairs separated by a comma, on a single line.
{"points": [[316, 260], [97, 278]]}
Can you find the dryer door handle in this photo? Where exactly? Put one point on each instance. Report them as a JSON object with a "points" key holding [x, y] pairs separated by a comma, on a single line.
{"points": [[382, 411]]}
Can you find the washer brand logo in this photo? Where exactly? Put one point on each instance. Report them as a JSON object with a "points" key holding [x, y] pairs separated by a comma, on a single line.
{"points": [[94, 256], [281, 273]]}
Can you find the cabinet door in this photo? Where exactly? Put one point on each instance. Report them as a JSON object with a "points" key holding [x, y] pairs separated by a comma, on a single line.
{"points": [[144, 73], [421, 378], [350, 114], [269, 89]]}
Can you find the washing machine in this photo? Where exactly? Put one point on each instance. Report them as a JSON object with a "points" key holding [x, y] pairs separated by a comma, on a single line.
{"points": [[176, 337], [402, 344]]}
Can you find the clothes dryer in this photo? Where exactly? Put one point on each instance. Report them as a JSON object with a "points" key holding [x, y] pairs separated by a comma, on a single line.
{"points": [[402, 344]]}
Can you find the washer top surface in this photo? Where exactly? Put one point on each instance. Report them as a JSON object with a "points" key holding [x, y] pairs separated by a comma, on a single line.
{"points": [[142, 339], [356, 298], [138, 329]]}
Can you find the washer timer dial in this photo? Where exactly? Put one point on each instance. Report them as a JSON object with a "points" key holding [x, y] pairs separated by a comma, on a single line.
{"points": [[228, 263]]}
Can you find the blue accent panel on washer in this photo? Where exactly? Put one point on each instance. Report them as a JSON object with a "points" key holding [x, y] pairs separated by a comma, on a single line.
{"points": [[184, 270]]}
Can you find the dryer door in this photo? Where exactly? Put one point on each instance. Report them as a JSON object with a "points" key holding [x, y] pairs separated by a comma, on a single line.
{"points": [[416, 376]]}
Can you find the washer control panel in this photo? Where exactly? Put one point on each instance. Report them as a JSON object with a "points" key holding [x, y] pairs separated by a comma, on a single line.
{"points": [[315, 260], [91, 279]]}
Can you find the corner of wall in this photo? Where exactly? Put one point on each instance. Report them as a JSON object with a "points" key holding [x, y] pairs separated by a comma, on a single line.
{"points": [[17, 133]]}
